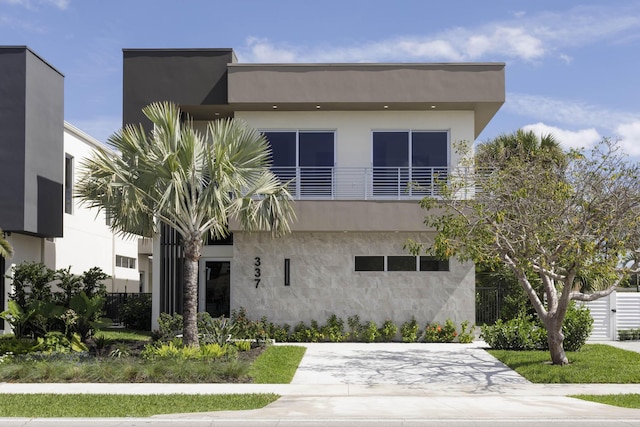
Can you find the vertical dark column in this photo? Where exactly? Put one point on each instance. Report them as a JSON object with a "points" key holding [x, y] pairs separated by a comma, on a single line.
{"points": [[171, 271], [2, 289]]}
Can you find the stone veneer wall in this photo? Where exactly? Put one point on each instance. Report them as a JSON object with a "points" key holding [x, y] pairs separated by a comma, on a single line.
{"points": [[324, 280]]}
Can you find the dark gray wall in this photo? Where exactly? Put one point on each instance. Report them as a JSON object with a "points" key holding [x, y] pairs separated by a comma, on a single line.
{"points": [[12, 136], [188, 77], [31, 144]]}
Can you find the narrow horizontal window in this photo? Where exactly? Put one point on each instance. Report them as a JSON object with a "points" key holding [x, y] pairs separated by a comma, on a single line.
{"points": [[401, 263], [429, 263], [370, 263], [125, 261]]}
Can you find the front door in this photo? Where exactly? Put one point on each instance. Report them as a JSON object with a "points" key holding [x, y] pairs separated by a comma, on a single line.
{"points": [[215, 286]]}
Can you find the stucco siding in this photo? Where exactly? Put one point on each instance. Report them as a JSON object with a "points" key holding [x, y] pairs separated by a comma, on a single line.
{"points": [[324, 280]]}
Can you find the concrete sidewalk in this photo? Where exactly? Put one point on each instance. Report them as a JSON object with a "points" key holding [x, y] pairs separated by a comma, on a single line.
{"points": [[401, 384]]}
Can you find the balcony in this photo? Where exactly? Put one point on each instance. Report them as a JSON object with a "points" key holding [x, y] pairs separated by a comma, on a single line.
{"points": [[372, 183]]}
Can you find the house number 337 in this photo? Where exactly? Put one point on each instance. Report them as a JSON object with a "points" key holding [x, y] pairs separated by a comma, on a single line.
{"points": [[256, 270]]}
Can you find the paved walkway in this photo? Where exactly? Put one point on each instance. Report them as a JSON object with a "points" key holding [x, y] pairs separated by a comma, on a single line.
{"points": [[400, 384]]}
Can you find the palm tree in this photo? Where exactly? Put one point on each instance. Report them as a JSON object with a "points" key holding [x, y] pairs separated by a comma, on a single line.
{"points": [[193, 182], [522, 144], [5, 248]]}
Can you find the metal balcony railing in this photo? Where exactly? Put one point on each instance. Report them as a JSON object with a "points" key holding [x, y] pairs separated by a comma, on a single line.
{"points": [[371, 183]]}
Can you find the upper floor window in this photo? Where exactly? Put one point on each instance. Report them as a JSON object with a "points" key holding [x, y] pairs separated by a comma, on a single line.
{"points": [[304, 158], [68, 184], [125, 261], [403, 157]]}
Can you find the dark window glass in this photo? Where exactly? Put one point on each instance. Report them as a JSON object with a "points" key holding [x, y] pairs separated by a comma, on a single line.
{"points": [[369, 263], [227, 241], [283, 154], [401, 263], [429, 149], [316, 159], [68, 184], [428, 263], [390, 161]]}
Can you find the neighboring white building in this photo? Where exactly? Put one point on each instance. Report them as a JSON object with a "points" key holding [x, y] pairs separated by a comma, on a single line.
{"points": [[41, 156]]}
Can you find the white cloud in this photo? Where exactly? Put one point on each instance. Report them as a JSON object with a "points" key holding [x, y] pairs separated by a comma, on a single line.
{"points": [[577, 113], [528, 38], [629, 137], [32, 4], [584, 138]]}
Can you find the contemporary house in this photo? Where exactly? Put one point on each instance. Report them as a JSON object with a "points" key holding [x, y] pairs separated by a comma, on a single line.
{"points": [[40, 155], [359, 145]]}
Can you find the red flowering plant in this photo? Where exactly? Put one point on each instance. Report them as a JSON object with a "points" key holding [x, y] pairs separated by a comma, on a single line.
{"points": [[435, 332]]}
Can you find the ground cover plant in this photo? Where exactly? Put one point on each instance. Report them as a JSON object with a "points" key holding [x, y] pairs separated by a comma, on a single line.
{"points": [[594, 363], [623, 400], [113, 405]]}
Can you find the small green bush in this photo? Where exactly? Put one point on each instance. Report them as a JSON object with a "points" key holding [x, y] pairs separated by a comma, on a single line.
{"points": [[388, 331], [176, 352], [168, 326], [135, 313], [13, 345], [409, 330], [435, 332], [519, 333], [370, 332], [355, 328], [577, 326], [466, 336], [333, 330]]}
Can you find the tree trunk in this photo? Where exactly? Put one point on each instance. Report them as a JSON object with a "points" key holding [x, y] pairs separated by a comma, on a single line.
{"points": [[555, 338], [190, 308]]}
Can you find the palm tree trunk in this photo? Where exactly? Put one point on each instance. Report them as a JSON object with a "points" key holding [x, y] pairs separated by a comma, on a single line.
{"points": [[192, 249]]}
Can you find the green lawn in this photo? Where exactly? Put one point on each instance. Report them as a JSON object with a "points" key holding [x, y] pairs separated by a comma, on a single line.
{"points": [[122, 334], [277, 365], [594, 363], [623, 400], [111, 405]]}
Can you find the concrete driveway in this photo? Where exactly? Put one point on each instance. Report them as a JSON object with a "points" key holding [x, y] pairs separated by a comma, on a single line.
{"points": [[402, 364]]}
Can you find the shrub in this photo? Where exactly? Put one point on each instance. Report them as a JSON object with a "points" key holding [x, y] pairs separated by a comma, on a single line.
{"points": [[525, 333], [334, 329], [519, 333], [169, 326], [370, 332], [175, 351], [281, 333], [215, 330], [14, 345], [355, 328], [409, 330], [576, 327], [388, 331], [136, 312], [435, 332], [465, 336], [304, 333]]}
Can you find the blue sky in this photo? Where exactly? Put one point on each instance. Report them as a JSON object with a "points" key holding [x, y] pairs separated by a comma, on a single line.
{"points": [[572, 67]]}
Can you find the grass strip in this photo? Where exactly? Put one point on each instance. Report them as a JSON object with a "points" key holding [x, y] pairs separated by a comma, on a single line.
{"points": [[123, 335], [622, 400], [277, 364], [593, 364], [118, 405]]}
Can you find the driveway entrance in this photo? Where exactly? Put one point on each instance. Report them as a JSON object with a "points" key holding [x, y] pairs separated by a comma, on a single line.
{"points": [[403, 364]]}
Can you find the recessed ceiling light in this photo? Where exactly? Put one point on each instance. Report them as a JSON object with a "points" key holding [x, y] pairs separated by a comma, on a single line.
{"points": [[216, 114], [275, 107], [317, 107], [433, 106], [385, 107]]}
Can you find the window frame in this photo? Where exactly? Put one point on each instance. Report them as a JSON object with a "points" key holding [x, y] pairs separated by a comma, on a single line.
{"points": [[69, 174], [443, 265]]}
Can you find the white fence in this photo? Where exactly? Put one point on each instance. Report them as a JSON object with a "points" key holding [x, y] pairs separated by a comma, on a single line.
{"points": [[618, 311]]}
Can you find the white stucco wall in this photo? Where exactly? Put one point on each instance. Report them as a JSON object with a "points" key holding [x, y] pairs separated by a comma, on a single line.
{"points": [[354, 128]]}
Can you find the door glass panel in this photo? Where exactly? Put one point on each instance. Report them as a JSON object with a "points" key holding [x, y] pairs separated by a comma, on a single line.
{"points": [[283, 156], [390, 161], [428, 160], [316, 159], [217, 276]]}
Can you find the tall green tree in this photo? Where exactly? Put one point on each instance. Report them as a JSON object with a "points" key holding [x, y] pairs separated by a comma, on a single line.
{"points": [[5, 248], [559, 221], [191, 181]]}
